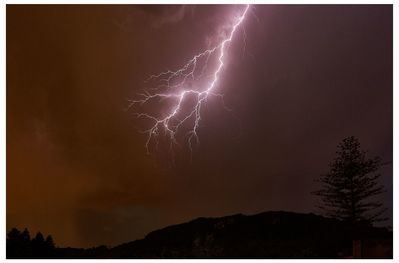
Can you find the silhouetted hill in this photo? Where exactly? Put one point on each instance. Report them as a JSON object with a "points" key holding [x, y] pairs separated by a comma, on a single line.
{"points": [[264, 235]]}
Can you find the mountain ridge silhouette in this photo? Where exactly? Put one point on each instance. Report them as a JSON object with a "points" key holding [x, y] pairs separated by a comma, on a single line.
{"points": [[271, 234]]}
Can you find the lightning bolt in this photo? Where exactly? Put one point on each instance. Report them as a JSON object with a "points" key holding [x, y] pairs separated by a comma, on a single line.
{"points": [[177, 86]]}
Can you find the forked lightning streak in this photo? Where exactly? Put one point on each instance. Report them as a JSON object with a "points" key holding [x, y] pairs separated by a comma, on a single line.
{"points": [[177, 86]]}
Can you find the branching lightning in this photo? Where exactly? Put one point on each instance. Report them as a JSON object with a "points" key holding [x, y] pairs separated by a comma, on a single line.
{"points": [[177, 87]]}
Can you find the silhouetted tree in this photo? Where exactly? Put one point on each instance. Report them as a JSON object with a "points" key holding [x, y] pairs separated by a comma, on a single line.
{"points": [[39, 239], [49, 242], [348, 192], [14, 234], [26, 244], [13, 243], [25, 235], [38, 245]]}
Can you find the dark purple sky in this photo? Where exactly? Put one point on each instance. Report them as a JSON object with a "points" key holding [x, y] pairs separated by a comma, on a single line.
{"points": [[77, 167]]}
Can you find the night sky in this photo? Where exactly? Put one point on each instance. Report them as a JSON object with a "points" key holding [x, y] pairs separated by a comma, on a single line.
{"points": [[302, 79]]}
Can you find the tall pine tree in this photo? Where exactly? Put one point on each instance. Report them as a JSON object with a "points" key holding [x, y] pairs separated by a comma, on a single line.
{"points": [[349, 191]]}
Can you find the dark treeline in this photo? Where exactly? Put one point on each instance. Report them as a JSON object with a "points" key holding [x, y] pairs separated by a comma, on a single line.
{"points": [[21, 245]]}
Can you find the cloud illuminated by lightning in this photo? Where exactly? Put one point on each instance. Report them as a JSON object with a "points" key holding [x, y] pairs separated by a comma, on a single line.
{"points": [[177, 86]]}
